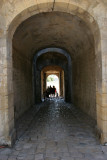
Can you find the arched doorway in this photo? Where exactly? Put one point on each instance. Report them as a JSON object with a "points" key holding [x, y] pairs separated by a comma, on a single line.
{"points": [[90, 36], [82, 53], [55, 59], [57, 74]]}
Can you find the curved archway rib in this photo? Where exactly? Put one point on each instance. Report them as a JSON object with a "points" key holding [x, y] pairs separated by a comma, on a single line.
{"points": [[68, 71]]}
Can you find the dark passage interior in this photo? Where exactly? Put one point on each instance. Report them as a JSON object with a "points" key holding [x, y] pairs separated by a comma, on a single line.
{"points": [[54, 39], [55, 61]]}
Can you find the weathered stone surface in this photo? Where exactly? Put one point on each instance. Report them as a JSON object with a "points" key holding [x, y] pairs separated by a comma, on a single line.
{"points": [[59, 131], [83, 65], [83, 35]]}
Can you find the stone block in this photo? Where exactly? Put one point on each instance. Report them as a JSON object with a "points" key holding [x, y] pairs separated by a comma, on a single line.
{"points": [[104, 45], [3, 157], [63, 7], [98, 86], [99, 98], [44, 1], [39, 157], [104, 100], [104, 126], [9, 113], [33, 10], [45, 5], [98, 109], [103, 113], [104, 33], [2, 122], [73, 9], [99, 123], [4, 102], [104, 138], [12, 157]]}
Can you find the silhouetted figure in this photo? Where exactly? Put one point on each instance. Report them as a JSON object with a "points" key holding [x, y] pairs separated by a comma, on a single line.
{"points": [[53, 91], [50, 91]]}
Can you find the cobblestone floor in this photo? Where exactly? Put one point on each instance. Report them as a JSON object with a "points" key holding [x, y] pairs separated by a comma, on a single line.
{"points": [[57, 132]]}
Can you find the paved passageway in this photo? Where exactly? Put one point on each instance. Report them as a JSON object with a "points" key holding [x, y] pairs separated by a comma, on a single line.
{"points": [[57, 132]]}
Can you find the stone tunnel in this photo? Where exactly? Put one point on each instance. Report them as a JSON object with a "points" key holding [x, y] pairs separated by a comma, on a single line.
{"points": [[52, 37], [77, 59]]}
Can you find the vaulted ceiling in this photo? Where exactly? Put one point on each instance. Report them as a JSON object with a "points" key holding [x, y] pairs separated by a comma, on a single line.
{"points": [[53, 29]]}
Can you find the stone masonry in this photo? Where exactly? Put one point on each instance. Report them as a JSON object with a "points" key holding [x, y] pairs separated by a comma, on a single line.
{"points": [[77, 26]]}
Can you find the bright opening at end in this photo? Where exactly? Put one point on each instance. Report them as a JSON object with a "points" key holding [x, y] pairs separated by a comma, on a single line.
{"points": [[53, 80]]}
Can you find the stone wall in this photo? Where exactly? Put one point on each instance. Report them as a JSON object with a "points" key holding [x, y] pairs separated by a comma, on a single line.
{"points": [[84, 84], [14, 12], [22, 83]]}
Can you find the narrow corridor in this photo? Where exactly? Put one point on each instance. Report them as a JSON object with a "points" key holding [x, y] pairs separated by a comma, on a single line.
{"points": [[58, 131]]}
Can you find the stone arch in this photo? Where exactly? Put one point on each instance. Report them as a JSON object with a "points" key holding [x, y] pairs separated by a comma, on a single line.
{"points": [[62, 6], [37, 70], [32, 9]]}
